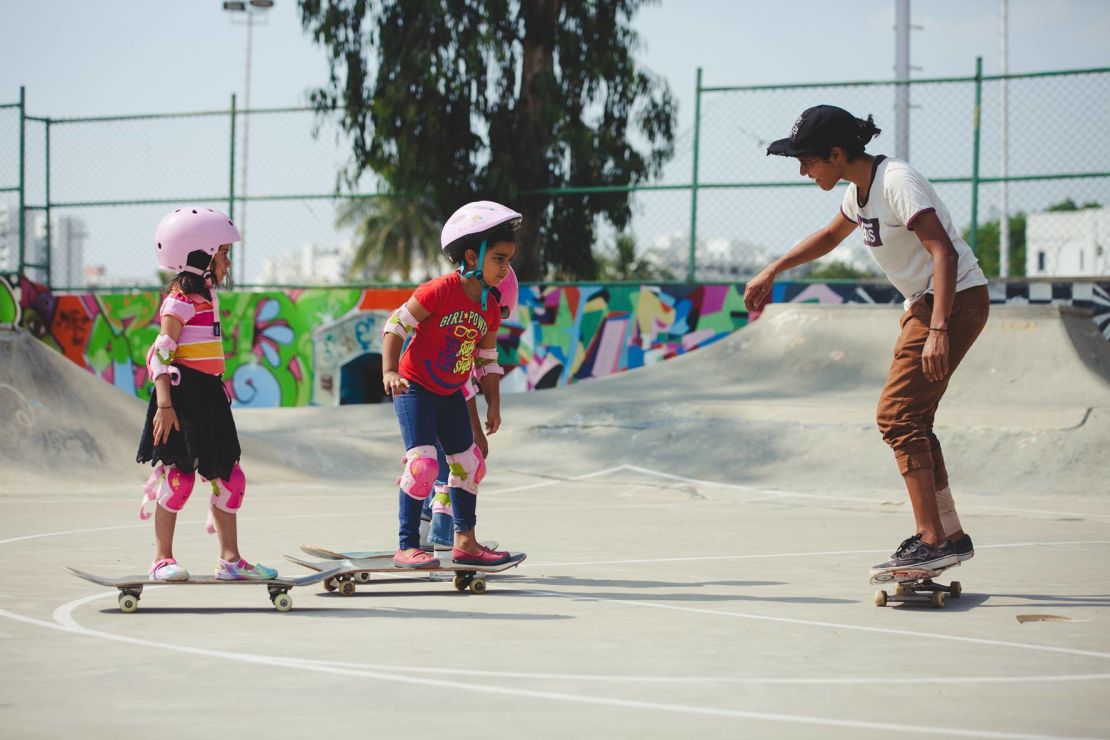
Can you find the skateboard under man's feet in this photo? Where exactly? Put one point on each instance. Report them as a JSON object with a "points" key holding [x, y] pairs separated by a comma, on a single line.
{"points": [[131, 587], [914, 583]]}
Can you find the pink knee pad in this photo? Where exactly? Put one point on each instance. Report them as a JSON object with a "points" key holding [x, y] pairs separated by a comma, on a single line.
{"points": [[467, 469], [170, 487], [150, 492], [227, 495], [421, 469]]}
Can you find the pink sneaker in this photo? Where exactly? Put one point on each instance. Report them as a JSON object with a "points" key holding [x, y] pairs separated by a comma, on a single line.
{"points": [[415, 559], [485, 557]]}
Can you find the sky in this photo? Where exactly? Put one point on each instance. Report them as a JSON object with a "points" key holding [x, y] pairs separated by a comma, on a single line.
{"points": [[114, 57]]}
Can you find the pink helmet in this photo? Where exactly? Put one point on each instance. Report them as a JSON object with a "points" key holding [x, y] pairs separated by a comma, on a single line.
{"points": [[191, 229], [471, 222], [510, 293]]}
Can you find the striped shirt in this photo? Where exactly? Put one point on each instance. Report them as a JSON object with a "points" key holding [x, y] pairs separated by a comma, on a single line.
{"points": [[197, 348]]}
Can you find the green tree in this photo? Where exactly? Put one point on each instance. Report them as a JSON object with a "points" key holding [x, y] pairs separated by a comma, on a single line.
{"points": [[1067, 204], [989, 237], [622, 263], [498, 99], [391, 234], [837, 270]]}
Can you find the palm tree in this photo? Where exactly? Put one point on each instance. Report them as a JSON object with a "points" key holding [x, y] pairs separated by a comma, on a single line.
{"points": [[393, 234]]}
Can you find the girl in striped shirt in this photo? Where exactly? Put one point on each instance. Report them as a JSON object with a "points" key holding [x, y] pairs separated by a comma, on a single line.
{"points": [[189, 428]]}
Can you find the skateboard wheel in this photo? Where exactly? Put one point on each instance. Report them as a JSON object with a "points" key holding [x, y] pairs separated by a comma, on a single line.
{"points": [[347, 588], [362, 577], [900, 590], [283, 602], [460, 582], [956, 589], [938, 599], [128, 603], [880, 598], [478, 586], [329, 584]]}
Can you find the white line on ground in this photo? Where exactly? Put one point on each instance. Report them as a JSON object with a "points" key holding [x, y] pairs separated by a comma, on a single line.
{"points": [[64, 620], [815, 623]]}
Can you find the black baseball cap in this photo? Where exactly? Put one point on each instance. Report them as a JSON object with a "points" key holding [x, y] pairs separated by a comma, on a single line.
{"points": [[818, 130]]}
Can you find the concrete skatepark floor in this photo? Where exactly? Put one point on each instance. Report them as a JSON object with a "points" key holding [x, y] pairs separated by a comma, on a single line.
{"points": [[699, 535]]}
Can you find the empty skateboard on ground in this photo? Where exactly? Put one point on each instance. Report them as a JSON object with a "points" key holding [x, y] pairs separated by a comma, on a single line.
{"points": [[362, 570], [914, 584], [131, 587]]}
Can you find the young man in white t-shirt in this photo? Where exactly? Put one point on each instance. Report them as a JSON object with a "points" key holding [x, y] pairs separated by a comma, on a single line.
{"points": [[910, 234]]}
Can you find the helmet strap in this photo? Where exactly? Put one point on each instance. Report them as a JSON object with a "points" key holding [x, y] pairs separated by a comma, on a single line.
{"points": [[477, 273], [210, 281]]}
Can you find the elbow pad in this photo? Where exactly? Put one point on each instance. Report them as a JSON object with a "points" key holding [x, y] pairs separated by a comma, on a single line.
{"points": [[159, 357], [486, 364], [401, 322]]}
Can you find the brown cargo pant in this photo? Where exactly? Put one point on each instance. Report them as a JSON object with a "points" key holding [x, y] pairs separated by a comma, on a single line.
{"points": [[909, 400]]}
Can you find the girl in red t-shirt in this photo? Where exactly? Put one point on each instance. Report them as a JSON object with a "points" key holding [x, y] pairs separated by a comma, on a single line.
{"points": [[453, 322]]}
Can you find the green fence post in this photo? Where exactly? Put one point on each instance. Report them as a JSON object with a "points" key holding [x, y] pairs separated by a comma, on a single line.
{"points": [[22, 178], [975, 160], [231, 174], [694, 180], [49, 231]]}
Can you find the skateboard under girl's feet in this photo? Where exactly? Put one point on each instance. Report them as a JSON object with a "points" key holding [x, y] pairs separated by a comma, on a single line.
{"points": [[914, 584], [326, 554], [363, 570], [131, 587]]}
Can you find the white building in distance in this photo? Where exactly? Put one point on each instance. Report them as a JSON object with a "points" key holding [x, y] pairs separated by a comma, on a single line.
{"points": [[1068, 243]]}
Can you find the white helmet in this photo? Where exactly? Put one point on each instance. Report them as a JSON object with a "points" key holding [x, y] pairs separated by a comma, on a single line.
{"points": [[471, 222]]}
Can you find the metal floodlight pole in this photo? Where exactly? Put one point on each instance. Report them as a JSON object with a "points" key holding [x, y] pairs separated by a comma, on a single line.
{"points": [[1004, 217], [902, 75], [251, 9], [975, 154]]}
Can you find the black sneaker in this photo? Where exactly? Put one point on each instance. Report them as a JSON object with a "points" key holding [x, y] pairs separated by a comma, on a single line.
{"points": [[906, 545], [963, 547], [913, 553]]}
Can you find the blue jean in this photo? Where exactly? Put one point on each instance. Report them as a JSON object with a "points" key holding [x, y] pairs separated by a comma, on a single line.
{"points": [[428, 418]]}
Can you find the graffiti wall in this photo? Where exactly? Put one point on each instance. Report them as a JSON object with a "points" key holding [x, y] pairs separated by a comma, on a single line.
{"points": [[298, 346]]}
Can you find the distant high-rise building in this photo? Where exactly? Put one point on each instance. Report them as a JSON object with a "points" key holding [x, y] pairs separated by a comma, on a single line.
{"points": [[64, 250], [68, 264], [9, 238]]}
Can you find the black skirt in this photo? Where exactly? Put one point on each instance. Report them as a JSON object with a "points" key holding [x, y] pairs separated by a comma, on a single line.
{"points": [[207, 441]]}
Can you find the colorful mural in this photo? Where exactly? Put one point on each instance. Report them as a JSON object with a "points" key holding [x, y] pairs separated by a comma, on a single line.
{"points": [[10, 310], [287, 347]]}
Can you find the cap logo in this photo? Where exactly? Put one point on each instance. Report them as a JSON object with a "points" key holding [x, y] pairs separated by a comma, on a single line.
{"points": [[794, 131]]}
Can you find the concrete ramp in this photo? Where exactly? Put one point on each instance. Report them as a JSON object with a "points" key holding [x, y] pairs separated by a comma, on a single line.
{"points": [[62, 425], [786, 402], [790, 399]]}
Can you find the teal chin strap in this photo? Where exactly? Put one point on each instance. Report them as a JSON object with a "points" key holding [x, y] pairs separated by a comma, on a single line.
{"points": [[477, 273]]}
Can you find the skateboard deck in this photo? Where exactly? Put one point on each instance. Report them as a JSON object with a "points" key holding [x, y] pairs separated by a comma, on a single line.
{"points": [[326, 554], [131, 587], [362, 570], [914, 584]]}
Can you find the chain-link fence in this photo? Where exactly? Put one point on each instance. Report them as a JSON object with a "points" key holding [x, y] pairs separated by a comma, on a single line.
{"points": [[93, 189]]}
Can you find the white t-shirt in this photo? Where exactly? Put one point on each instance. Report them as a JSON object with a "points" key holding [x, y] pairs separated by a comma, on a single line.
{"points": [[899, 195]]}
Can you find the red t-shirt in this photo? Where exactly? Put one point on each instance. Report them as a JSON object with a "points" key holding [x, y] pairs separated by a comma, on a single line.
{"points": [[441, 354]]}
